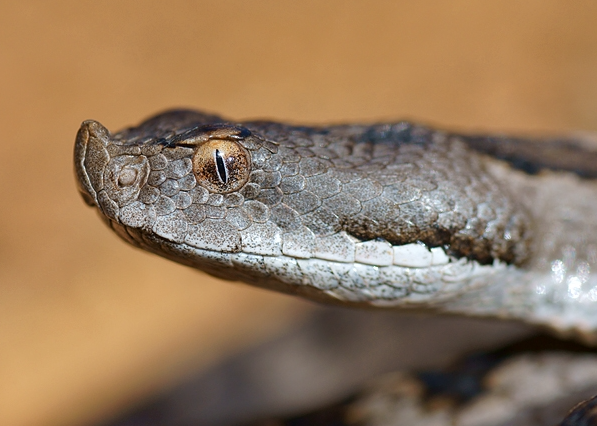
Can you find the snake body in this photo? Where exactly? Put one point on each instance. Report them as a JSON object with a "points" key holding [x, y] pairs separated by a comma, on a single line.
{"points": [[394, 215]]}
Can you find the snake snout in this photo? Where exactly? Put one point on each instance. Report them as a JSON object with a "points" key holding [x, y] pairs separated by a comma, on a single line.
{"points": [[91, 157]]}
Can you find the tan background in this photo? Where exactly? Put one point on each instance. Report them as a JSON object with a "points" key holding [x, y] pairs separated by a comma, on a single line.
{"points": [[87, 324]]}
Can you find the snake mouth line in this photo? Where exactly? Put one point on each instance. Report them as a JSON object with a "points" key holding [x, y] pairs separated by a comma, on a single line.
{"points": [[378, 286]]}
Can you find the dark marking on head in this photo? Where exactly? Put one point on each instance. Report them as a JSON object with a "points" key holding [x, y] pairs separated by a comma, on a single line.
{"points": [[397, 134], [533, 156], [203, 133]]}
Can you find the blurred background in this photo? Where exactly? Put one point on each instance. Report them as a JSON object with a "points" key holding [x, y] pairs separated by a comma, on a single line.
{"points": [[89, 326]]}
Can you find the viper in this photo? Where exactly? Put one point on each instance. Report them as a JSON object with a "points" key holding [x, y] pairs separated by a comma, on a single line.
{"points": [[388, 215]]}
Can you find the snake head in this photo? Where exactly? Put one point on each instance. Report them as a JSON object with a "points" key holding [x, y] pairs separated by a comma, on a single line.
{"points": [[183, 186], [359, 213]]}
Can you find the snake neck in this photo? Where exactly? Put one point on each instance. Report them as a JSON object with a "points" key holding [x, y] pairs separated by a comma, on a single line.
{"points": [[557, 286]]}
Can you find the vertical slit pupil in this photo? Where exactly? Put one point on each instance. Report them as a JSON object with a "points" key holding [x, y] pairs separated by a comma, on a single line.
{"points": [[221, 167]]}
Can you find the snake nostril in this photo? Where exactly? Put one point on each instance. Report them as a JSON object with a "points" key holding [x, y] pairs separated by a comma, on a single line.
{"points": [[127, 177]]}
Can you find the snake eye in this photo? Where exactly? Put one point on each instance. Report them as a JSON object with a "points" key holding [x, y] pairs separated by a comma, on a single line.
{"points": [[221, 165]]}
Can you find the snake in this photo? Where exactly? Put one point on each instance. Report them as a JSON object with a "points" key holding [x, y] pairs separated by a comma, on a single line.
{"points": [[390, 215]]}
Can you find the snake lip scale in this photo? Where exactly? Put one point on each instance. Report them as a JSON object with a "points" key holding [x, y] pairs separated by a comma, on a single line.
{"points": [[395, 215]]}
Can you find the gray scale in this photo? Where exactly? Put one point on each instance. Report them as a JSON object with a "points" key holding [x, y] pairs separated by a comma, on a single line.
{"points": [[387, 215]]}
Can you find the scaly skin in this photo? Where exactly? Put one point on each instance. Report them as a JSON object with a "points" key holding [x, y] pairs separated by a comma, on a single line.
{"points": [[394, 214]]}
